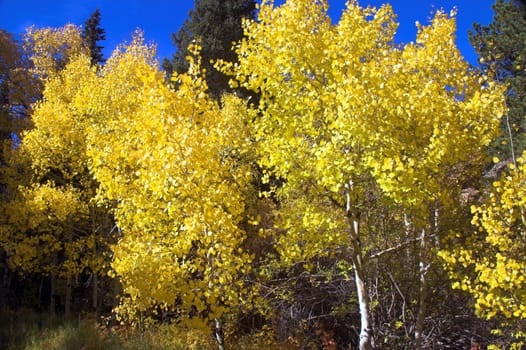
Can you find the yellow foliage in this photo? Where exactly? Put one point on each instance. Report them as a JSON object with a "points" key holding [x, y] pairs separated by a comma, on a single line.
{"points": [[344, 109], [496, 258], [170, 160], [50, 49], [33, 231], [350, 122], [57, 142], [51, 209]]}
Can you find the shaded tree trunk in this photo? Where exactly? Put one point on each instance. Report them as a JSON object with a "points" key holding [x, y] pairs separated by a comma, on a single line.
{"points": [[95, 296], [95, 280], [40, 287], [52, 294], [6, 281], [67, 302]]}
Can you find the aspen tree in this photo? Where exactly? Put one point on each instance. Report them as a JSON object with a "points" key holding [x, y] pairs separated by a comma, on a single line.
{"points": [[344, 109]]}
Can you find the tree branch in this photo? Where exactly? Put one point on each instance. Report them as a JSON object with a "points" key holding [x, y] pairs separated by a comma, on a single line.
{"points": [[396, 247]]}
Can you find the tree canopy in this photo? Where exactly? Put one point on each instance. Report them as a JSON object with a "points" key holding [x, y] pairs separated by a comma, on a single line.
{"points": [[215, 25], [343, 110]]}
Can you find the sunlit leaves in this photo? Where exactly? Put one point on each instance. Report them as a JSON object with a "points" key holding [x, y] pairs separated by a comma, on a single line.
{"points": [[50, 211], [362, 144], [342, 103], [57, 141], [50, 49], [170, 160], [496, 256], [38, 225], [348, 121]]}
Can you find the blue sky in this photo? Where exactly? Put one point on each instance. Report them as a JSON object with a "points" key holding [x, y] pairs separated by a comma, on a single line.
{"points": [[159, 18]]}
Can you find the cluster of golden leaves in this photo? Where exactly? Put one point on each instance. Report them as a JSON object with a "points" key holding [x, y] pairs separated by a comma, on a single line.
{"points": [[48, 182], [50, 49], [342, 105], [494, 260], [168, 158]]}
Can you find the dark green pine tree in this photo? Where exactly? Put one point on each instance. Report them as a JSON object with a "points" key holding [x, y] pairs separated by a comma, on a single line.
{"points": [[502, 48], [215, 25], [92, 33]]}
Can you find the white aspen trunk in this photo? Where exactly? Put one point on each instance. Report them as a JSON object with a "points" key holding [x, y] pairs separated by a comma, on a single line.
{"points": [[218, 329], [366, 339], [422, 293], [218, 333], [409, 232]]}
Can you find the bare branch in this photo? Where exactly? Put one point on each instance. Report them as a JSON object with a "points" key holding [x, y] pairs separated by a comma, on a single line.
{"points": [[396, 247]]}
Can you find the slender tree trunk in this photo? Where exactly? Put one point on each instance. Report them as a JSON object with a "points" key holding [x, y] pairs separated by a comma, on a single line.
{"points": [[69, 278], [5, 282], [39, 303], [67, 303], [218, 333], [409, 235], [96, 293], [366, 339], [218, 329], [422, 293], [52, 294]]}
